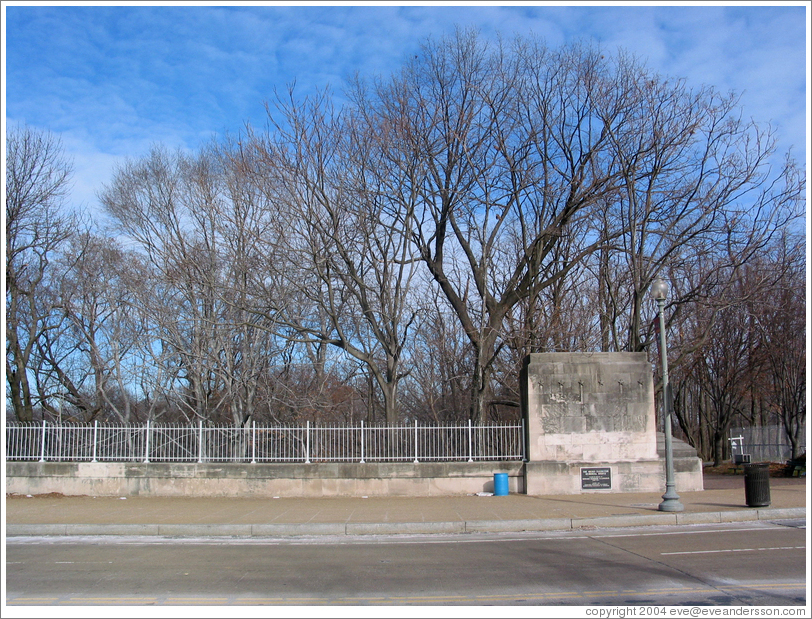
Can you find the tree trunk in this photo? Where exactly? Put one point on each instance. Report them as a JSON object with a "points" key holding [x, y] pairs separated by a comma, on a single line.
{"points": [[390, 391], [718, 448], [20, 396], [18, 382]]}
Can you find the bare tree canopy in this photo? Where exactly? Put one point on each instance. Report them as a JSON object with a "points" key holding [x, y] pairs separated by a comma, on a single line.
{"points": [[391, 254], [37, 179], [515, 163]]}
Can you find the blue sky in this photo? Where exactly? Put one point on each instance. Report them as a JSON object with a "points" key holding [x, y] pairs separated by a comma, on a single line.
{"points": [[112, 81]]}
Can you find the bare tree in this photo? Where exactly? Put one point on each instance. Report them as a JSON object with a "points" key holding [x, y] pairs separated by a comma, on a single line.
{"points": [[155, 202], [438, 388], [519, 163], [504, 150], [89, 358], [729, 366], [348, 255], [244, 221], [37, 182], [780, 319], [697, 185], [398, 257]]}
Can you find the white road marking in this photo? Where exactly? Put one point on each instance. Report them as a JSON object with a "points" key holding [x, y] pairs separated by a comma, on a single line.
{"points": [[705, 552], [685, 532]]}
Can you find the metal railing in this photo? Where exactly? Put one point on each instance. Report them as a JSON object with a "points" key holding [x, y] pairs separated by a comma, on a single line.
{"points": [[308, 444], [763, 443]]}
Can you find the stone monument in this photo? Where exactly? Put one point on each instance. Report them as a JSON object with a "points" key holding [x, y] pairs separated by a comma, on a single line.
{"points": [[591, 426]]}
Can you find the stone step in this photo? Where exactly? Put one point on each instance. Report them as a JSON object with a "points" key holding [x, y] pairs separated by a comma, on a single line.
{"points": [[680, 449]]}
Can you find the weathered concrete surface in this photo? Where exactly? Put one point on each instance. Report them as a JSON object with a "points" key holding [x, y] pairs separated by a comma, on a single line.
{"points": [[722, 501], [590, 407], [259, 480], [587, 410]]}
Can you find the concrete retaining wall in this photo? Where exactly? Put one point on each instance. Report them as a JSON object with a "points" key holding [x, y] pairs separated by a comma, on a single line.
{"points": [[259, 480], [582, 410]]}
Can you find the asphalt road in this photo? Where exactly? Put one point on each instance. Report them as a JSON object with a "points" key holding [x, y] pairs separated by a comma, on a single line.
{"points": [[753, 563]]}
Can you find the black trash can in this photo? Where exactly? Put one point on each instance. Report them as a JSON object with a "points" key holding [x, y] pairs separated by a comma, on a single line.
{"points": [[757, 484]]}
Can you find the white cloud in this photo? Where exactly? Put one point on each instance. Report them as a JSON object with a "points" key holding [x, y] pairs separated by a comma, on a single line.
{"points": [[114, 80]]}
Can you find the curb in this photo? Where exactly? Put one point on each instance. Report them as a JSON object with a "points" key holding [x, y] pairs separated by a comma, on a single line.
{"points": [[398, 528]]}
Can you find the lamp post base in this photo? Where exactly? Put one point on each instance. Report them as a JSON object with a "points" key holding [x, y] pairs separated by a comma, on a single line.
{"points": [[671, 502]]}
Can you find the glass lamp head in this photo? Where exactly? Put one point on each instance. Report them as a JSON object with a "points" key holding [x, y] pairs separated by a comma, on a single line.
{"points": [[659, 289]]}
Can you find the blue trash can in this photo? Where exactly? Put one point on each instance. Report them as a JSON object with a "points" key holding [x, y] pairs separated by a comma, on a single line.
{"points": [[500, 484]]}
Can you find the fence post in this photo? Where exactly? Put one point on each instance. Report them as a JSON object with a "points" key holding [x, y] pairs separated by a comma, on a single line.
{"points": [[199, 441], [95, 433], [42, 446], [307, 444], [362, 441], [146, 444], [470, 444], [416, 461], [493, 443], [243, 455]]}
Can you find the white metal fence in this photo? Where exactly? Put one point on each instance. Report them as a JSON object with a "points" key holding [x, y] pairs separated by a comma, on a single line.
{"points": [[763, 443], [308, 444]]}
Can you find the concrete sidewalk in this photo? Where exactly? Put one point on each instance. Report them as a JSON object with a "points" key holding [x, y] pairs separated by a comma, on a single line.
{"points": [[722, 501]]}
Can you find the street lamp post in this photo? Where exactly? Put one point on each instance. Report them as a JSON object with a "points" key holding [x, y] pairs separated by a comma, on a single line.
{"points": [[670, 503]]}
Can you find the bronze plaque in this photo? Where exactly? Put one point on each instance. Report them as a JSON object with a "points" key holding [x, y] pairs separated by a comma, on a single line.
{"points": [[596, 478]]}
